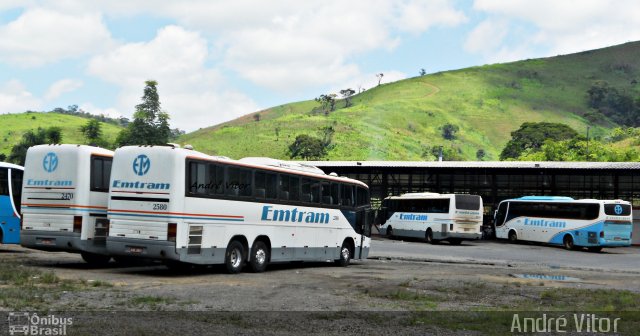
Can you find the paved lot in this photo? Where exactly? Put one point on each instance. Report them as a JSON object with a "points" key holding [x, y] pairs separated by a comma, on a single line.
{"points": [[501, 253]]}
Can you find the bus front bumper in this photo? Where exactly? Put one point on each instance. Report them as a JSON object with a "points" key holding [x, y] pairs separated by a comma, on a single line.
{"points": [[457, 235], [142, 248]]}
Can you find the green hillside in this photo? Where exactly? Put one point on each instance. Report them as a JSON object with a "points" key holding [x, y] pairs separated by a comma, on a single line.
{"points": [[12, 126], [402, 120]]}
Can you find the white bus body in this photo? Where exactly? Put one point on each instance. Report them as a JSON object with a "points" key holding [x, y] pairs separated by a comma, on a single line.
{"points": [[433, 217], [180, 205], [564, 221], [64, 200]]}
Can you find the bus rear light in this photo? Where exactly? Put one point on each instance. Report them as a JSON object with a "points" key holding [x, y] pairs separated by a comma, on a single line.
{"points": [[77, 224], [172, 230]]}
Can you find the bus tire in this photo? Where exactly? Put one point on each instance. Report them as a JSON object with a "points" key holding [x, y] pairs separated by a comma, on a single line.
{"points": [[594, 249], [259, 257], [429, 237], [345, 254], [513, 236], [567, 241], [95, 259], [389, 232], [455, 241], [234, 257]]}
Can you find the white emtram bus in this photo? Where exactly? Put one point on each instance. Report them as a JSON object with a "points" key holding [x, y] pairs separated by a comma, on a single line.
{"points": [[433, 217], [558, 220], [64, 200], [186, 207]]}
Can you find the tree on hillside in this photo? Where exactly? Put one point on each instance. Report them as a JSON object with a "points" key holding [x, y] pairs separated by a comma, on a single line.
{"points": [[346, 94], [3, 157], [92, 132], [577, 149], [150, 125], [449, 131], [480, 154], [52, 135], [380, 75], [531, 136], [423, 72], [327, 101], [307, 148]]}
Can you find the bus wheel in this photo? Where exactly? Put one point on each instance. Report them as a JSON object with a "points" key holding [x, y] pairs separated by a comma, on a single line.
{"points": [[594, 248], [234, 257], [345, 255], [259, 257], [568, 242], [455, 241], [513, 236], [95, 259], [390, 232], [429, 237]]}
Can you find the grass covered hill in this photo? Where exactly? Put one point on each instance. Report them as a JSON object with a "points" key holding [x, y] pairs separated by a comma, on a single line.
{"points": [[404, 120], [12, 126]]}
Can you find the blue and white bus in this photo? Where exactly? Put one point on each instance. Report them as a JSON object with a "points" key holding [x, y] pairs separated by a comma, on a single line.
{"points": [[64, 200], [10, 191], [185, 207], [557, 220]]}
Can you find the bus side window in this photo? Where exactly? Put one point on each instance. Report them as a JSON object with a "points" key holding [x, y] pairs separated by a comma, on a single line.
{"points": [[4, 182], [347, 195], [306, 190], [335, 193]]}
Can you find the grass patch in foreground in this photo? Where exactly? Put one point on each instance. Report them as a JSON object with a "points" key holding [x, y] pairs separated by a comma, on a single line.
{"points": [[27, 288]]}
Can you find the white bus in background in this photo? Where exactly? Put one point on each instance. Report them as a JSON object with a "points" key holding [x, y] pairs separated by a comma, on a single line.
{"points": [[64, 200], [558, 220], [186, 207], [433, 217]]}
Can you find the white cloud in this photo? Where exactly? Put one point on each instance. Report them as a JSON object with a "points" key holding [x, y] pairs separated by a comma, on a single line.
{"points": [[41, 36], [14, 98], [562, 27], [61, 87], [486, 37], [193, 94]]}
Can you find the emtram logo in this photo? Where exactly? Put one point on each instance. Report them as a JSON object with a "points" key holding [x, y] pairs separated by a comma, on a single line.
{"points": [[50, 162], [618, 209], [141, 165]]}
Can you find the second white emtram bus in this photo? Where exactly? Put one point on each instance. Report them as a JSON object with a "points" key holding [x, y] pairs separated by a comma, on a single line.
{"points": [[559, 220], [64, 200], [182, 206], [433, 217]]}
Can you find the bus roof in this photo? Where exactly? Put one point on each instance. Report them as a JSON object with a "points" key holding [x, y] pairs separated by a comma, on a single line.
{"points": [[10, 165], [543, 198], [75, 148], [252, 162], [424, 195]]}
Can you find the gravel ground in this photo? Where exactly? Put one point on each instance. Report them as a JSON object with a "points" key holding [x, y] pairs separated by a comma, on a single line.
{"points": [[376, 296]]}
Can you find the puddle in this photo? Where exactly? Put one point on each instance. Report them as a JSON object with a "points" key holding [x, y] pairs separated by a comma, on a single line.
{"points": [[545, 277]]}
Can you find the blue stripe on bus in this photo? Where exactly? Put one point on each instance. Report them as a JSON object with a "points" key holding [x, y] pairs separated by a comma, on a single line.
{"points": [[177, 217]]}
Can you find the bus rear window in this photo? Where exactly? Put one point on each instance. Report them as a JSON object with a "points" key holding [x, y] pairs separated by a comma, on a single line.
{"points": [[468, 202], [617, 209]]}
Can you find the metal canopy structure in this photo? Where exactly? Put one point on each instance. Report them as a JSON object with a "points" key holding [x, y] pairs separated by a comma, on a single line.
{"points": [[494, 180]]}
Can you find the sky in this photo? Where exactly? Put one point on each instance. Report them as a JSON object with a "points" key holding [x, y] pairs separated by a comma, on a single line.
{"points": [[216, 60]]}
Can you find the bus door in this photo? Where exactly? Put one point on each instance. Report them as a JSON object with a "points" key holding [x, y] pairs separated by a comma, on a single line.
{"points": [[364, 220], [499, 219]]}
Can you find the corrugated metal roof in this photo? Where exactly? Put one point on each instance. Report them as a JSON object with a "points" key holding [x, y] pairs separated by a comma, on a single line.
{"points": [[477, 164]]}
